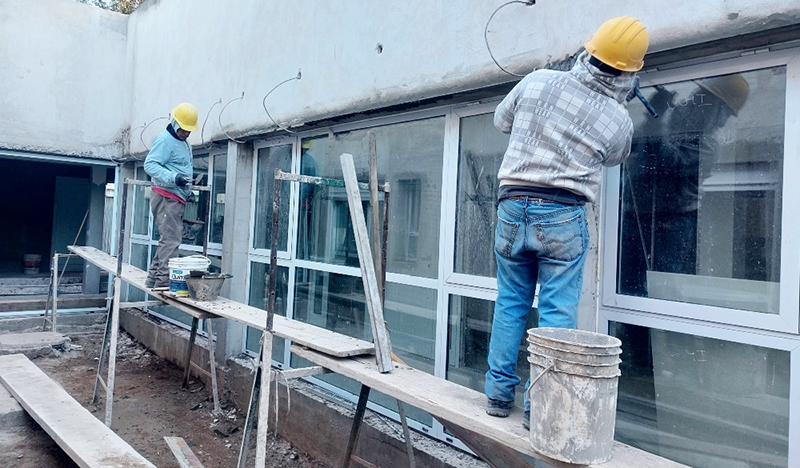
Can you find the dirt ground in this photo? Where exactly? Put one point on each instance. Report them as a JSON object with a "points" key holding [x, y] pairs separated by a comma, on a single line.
{"points": [[150, 404]]}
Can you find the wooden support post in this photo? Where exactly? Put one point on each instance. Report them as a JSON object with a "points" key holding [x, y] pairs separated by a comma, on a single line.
{"points": [[406, 434], [383, 346], [211, 348], [361, 408], [375, 209], [103, 348], [112, 349], [495, 454], [192, 338]]}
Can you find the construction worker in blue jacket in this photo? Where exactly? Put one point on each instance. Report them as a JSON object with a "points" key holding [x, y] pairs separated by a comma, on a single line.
{"points": [[564, 126], [169, 164]]}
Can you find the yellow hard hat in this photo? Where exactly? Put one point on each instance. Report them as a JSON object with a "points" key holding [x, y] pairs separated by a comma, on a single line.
{"points": [[620, 43], [186, 116], [733, 90]]}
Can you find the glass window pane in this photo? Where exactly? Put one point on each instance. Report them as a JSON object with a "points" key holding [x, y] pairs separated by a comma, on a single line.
{"points": [[468, 332], [701, 193], [196, 211], [140, 259], [410, 156], [337, 302], [269, 159], [141, 203], [480, 152], [701, 401], [218, 197], [259, 298]]}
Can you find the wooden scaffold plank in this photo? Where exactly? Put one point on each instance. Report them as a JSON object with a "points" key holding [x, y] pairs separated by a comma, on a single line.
{"points": [[82, 436]]}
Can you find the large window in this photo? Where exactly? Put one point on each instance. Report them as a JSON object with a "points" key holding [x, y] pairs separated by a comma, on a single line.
{"points": [[701, 193], [409, 158]]}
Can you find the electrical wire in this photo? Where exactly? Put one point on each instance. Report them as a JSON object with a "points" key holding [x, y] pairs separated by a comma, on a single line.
{"points": [[145, 128], [264, 101], [486, 32], [219, 118], [203, 128]]}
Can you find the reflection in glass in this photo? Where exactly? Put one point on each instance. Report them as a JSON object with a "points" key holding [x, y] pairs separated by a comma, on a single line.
{"points": [[141, 204], [259, 298], [468, 332], [218, 197], [703, 402], [196, 210], [701, 193], [140, 259], [337, 302], [480, 153], [269, 159], [410, 156]]}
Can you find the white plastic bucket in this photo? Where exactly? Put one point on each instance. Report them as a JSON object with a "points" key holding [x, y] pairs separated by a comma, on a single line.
{"points": [[31, 264], [180, 268], [573, 394]]}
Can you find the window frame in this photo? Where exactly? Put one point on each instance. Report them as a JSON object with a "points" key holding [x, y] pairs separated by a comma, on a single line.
{"points": [[788, 318]]}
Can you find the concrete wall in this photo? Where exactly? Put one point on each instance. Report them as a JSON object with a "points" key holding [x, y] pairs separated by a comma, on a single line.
{"points": [[204, 51], [62, 78]]}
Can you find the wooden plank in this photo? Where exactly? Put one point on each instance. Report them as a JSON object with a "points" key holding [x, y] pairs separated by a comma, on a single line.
{"points": [[186, 458], [383, 346], [82, 436], [463, 407], [18, 305], [305, 334]]}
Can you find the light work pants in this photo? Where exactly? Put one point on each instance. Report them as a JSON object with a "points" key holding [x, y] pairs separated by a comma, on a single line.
{"points": [[535, 240], [168, 215]]}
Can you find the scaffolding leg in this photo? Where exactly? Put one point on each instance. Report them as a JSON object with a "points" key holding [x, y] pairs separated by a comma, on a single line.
{"points": [[251, 415], [112, 351], [192, 337], [361, 408], [407, 434], [213, 365], [103, 348]]}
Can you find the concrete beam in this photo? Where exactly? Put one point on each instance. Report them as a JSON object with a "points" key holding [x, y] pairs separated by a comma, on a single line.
{"points": [[94, 227]]}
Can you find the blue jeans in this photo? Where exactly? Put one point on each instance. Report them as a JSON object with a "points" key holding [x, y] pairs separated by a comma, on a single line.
{"points": [[534, 240]]}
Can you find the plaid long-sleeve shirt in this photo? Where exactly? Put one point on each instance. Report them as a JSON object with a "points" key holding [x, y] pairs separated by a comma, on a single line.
{"points": [[564, 127]]}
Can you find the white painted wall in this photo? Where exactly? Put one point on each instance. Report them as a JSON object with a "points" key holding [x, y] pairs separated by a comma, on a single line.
{"points": [[62, 78], [204, 51]]}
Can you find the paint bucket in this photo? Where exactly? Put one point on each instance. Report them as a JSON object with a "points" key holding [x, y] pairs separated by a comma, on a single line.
{"points": [[573, 393], [207, 286], [180, 268], [31, 264]]}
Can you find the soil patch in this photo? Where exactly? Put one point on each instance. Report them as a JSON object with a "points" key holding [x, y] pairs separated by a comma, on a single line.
{"points": [[150, 404]]}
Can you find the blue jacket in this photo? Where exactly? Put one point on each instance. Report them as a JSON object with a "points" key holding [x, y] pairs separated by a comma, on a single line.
{"points": [[167, 158]]}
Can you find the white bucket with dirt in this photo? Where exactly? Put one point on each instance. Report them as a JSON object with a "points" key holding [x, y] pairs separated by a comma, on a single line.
{"points": [[31, 264], [573, 394], [180, 268]]}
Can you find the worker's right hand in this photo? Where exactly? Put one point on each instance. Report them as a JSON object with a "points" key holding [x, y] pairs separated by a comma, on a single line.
{"points": [[181, 180]]}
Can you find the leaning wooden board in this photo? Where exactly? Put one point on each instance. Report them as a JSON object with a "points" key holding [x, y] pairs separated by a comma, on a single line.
{"points": [[464, 407], [302, 333], [81, 435]]}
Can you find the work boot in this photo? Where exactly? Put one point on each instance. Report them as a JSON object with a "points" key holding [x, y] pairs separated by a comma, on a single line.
{"points": [[149, 282], [499, 408], [526, 420]]}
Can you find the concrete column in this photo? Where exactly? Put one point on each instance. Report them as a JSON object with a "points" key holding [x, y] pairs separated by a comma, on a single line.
{"points": [[94, 226], [236, 242]]}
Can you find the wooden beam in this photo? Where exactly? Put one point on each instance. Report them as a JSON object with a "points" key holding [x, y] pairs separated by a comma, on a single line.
{"points": [[186, 458], [383, 346], [81, 435], [79, 302], [302, 333], [464, 407]]}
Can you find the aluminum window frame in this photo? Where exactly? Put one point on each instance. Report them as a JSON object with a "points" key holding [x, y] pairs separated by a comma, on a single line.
{"points": [[788, 318]]}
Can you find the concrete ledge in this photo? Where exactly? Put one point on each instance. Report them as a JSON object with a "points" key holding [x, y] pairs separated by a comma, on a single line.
{"points": [[67, 323], [31, 344], [317, 422]]}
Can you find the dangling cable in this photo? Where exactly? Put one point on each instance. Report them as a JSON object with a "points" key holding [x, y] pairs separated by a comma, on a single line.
{"points": [[203, 128], [264, 101], [486, 32], [141, 135], [219, 118]]}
